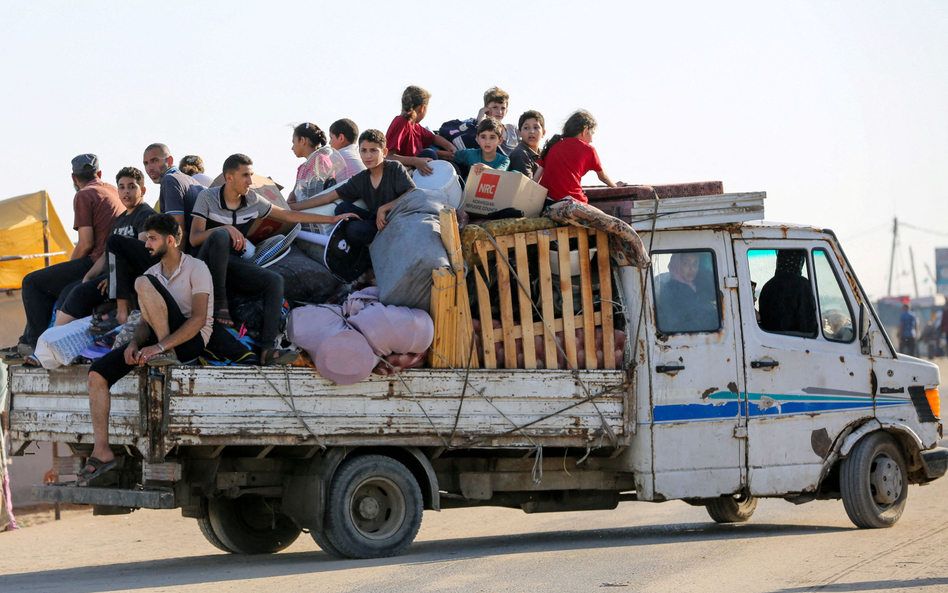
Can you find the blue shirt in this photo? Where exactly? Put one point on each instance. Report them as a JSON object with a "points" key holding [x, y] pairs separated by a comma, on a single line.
{"points": [[471, 156], [909, 324]]}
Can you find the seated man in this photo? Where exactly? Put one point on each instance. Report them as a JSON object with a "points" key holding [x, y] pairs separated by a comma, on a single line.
{"points": [[176, 297], [96, 206], [222, 217], [130, 225], [382, 184], [787, 304]]}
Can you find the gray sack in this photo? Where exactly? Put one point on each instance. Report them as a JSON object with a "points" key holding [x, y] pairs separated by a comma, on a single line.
{"points": [[409, 248]]}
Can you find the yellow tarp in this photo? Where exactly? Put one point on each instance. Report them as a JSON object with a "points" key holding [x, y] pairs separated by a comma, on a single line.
{"points": [[24, 221]]}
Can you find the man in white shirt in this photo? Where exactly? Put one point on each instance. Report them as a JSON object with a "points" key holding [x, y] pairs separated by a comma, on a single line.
{"points": [[176, 297]]}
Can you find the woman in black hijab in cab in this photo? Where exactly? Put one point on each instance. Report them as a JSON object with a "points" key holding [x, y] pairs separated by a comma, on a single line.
{"points": [[787, 304]]}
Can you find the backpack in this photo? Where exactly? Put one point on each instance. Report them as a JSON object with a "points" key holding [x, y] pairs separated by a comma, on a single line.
{"points": [[460, 132]]}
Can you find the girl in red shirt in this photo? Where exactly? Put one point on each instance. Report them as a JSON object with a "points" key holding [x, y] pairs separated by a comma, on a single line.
{"points": [[567, 157]]}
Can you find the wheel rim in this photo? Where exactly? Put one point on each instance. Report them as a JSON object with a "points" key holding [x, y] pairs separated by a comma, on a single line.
{"points": [[885, 480], [377, 508]]}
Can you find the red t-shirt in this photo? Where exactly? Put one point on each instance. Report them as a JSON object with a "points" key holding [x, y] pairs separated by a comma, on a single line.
{"points": [[564, 167], [407, 138], [97, 205]]}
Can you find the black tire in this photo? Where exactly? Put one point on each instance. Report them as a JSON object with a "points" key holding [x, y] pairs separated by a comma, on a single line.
{"points": [[873, 482], [324, 544], [732, 509], [247, 525], [374, 508], [204, 523]]}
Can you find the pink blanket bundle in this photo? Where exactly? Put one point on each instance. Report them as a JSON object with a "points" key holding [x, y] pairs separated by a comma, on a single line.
{"points": [[340, 353], [345, 342]]}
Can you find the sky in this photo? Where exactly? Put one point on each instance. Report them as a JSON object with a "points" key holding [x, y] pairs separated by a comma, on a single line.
{"points": [[836, 109]]}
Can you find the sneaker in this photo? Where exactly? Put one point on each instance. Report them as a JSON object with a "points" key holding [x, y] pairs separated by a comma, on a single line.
{"points": [[163, 359]]}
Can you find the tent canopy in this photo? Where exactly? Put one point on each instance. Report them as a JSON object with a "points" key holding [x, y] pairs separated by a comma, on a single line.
{"points": [[25, 221]]}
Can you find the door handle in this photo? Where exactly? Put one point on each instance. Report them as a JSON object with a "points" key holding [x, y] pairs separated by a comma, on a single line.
{"points": [[764, 364], [669, 368]]}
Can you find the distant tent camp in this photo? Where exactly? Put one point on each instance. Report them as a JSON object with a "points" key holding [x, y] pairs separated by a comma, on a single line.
{"points": [[29, 230]]}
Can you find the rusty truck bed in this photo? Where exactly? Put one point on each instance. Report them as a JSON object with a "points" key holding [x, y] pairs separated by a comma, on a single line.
{"points": [[154, 411]]}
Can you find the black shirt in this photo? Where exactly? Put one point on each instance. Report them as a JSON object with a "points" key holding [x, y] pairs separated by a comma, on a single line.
{"points": [[132, 224], [395, 182], [524, 160]]}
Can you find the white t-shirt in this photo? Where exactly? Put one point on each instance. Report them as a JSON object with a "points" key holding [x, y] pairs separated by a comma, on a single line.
{"points": [[192, 277], [349, 160]]}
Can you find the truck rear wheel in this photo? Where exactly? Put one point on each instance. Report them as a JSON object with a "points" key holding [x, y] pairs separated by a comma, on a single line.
{"points": [[374, 508], [204, 522], [248, 525], [873, 482], [324, 544], [732, 509]]}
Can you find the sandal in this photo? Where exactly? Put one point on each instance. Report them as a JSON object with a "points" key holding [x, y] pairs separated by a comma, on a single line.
{"points": [[98, 466], [222, 317], [32, 362], [163, 359], [274, 357], [104, 323]]}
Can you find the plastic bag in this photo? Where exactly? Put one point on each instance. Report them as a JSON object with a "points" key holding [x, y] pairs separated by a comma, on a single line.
{"points": [[61, 345]]}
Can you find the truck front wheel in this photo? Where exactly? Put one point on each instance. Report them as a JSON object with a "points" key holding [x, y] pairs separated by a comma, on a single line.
{"points": [[873, 482], [374, 508], [732, 509], [248, 525]]}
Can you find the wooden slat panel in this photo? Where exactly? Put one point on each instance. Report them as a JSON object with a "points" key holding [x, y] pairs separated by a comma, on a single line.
{"points": [[487, 322], [526, 303], [605, 296], [506, 304], [585, 283], [482, 248], [546, 298], [566, 287], [538, 327]]}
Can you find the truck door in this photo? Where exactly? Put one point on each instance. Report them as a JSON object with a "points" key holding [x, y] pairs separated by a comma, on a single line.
{"points": [[692, 325], [806, 379]]}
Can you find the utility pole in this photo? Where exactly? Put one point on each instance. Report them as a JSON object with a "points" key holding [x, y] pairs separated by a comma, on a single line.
{"points": [[914, 279], [895, 237]]}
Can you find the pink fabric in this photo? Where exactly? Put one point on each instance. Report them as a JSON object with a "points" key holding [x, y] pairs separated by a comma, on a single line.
{"points": [[395, 363], [394, 330], [340, 353], [357, 301], [7, 503]]}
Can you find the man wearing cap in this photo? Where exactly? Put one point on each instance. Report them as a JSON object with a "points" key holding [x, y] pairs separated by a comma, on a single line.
{"points": [[178, 191], [96, 206]]}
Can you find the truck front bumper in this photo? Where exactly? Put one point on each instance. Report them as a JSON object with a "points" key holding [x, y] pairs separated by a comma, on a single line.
{"points": [[935, 462]]}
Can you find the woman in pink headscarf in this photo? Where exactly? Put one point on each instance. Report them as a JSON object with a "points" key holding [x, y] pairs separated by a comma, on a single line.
{"points": [[681, 308]]}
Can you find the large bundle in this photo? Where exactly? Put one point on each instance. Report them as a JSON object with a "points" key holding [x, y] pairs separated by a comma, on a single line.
{"points": [[408, 249]]}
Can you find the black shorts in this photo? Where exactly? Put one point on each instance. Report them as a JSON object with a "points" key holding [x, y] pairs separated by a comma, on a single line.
{"points": [[84, 298], [113, 367]]}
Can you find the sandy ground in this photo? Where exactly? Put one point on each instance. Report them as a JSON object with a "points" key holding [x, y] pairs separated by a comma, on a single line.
{"points": [[638, 547]]}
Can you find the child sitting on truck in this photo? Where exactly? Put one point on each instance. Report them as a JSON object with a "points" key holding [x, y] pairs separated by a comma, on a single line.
{"points": [[532, 129], [568, 156], [408, 142], [495, 106], [382, 184], [489, 135]]}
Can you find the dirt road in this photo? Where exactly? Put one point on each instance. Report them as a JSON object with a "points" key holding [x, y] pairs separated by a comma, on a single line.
{"points": [[639, 547]]}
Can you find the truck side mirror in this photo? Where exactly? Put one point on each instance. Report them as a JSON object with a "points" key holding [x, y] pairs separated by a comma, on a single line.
{"points": [[864, 345]]}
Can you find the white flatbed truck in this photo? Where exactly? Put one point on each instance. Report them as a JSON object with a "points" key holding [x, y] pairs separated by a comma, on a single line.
{"points": [[718, 415]]}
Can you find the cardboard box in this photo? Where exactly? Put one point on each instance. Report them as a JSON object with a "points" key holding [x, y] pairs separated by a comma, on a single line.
{"points": [[495, 190], [266, 227]]}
